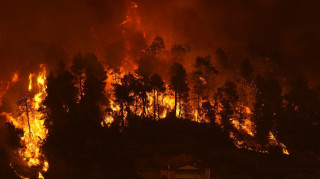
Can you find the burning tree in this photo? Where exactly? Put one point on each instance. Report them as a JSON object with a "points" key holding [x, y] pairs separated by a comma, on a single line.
{"points": [[124, 94], [25, 108], [158, 86], [228, 97], [178, 83], [203, 80], [268, 107]]}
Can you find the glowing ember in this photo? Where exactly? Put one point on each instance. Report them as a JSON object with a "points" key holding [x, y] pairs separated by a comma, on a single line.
{"points": [[275, 142]]}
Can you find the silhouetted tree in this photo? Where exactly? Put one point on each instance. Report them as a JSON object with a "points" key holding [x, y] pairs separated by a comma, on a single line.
{"points": [[246, 70], [157, 85], [25, 106], [123, 94], [94, 99], [61, 97], [222, 57], [135, 87], [178, 83], [203, 79], [300, 127], [179, 52], [78, 67], [143, 74], [157, 46], [209, 112], [228, 97], [267, 108], [60, 105]]}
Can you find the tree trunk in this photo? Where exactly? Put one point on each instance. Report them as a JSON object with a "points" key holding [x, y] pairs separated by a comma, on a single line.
{"points": [[198, 107], [175, 103], [122, 115], [143, 107], [27, 111], [80, 78], [179, 105], [136, 100], [154, 104], [158, 105]]}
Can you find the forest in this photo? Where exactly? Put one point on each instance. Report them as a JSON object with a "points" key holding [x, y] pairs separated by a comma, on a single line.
{"points": [[103, 123], [125, 89]]}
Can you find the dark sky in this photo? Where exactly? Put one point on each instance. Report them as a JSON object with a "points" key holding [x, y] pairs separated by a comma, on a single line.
{"points": [[38, 31]]}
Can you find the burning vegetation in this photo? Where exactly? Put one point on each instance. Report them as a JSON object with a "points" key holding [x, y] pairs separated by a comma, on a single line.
{"points": [[90, 114]]}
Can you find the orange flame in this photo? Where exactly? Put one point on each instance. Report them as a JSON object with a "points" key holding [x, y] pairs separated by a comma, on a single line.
{"points": [[31, 122]]}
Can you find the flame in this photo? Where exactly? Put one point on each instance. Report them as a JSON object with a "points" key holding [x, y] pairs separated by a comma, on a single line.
{"points": [[241, 121], [31, 122], [4, 88], [247, 125], [30, 82], [249, 128], [15, 77], [131, 16], [275, 142]]}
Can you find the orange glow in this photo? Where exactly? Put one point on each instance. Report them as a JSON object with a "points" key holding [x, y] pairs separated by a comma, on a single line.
{"points": [[31, 122], [30, 82], [15, 77], [275, 142], [4, 88]]}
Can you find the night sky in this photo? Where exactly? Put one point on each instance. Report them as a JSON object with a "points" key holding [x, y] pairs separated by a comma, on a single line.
{"points": [[34, 32], [233, 73]]}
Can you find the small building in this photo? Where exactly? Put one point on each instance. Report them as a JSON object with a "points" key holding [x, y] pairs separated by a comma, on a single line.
{"points": [[185, 172]]}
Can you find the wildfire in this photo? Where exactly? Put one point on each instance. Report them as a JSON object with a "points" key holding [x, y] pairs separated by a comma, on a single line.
{"points": [[31, 121], [4, 87], [30, 82], [131, 16], [249, 128], [15, 77], [241, 121], [275, 142], [247, 125]]}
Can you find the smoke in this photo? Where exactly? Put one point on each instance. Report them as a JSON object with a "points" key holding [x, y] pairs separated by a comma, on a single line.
{"points": [[290, 27], [37, 31], [46, 32], [49, 31]]}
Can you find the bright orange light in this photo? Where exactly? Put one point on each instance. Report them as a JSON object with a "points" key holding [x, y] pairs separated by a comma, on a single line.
{"points": [[33, 137]]}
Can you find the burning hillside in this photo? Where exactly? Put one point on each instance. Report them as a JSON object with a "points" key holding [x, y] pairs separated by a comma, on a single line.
{"points": [[150, 92]]}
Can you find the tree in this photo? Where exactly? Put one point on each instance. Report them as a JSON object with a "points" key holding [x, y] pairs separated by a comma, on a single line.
{"points": [[222, 57], [157, 46], [143, 76], [267, 108], [209, 112], [25, 106], [61, 96], [178, 83], [157, 85], [179, 52], [123, 94], [122, 97], [78, 67], [228, 97], [94, 99], [202, 78], [246, 70], [60, 105], [299, 129]]}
